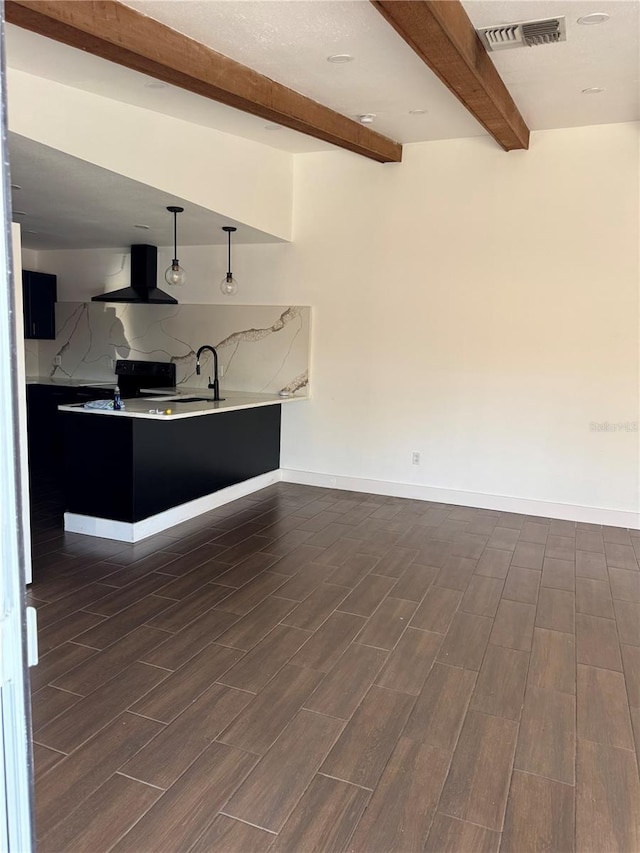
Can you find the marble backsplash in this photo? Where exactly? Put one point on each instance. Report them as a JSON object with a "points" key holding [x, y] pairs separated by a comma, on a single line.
{"points": [[31, 357], [261, 348]]}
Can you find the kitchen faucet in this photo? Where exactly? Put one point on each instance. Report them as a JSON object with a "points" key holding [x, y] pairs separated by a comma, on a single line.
{"points": [[215, 384]]}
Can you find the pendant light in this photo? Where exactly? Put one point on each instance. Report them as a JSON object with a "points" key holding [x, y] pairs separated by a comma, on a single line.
{"points": [[175, 275], [229, 285]]}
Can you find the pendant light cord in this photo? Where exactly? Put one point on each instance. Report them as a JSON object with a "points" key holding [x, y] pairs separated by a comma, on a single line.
{"points": [[175, 275], [229, 277], [175, 211], [175, 235]]}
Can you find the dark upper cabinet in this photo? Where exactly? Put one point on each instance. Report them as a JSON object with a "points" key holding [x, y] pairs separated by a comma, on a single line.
{"points": [[39, 300]]}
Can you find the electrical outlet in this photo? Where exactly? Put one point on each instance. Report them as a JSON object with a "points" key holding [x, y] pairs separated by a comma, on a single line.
{"points": [[112, 363], [415, 457], [221, 370], [57, 360]]}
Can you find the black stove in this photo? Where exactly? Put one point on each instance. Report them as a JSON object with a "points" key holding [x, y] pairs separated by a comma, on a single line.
{"points": [[134, 375]]}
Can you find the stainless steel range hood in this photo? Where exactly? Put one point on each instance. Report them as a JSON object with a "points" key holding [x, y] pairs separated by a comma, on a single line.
{"points": [[144, 276]]}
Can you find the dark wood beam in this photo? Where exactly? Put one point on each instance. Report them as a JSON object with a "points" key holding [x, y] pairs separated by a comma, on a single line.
{"points": [[442, 35], [120, 34]]}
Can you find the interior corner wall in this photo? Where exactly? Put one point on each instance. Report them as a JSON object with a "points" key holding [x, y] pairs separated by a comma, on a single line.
{"points": [[478, 307]]}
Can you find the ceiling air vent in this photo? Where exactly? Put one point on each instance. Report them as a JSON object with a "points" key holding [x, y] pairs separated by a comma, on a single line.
{"points": [[524, 34]]}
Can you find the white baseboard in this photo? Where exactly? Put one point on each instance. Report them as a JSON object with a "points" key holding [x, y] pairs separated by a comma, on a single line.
{"points": [[134, 532], [502, 503], [125, 532]]}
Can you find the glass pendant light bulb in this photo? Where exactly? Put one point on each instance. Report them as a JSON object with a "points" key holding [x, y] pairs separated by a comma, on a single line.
{"points": [[175, 275], [228, 285]]}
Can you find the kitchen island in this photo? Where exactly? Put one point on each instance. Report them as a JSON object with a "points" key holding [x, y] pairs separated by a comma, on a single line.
{"points": [[167, 458]]}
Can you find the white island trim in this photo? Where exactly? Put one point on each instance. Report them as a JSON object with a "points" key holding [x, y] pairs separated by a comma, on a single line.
{"points": [[123, 531]]}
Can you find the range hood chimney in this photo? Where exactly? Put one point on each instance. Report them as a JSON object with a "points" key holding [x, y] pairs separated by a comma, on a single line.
{"points": [[144, 276]]}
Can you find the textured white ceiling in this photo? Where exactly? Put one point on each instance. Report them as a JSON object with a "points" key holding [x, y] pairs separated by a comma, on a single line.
{"points": [[289, 41], [547, 82], [46, 58]]}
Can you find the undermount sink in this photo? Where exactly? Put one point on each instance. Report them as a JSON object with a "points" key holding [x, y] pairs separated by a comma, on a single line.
{"points": [[180, 399], [189, 400]]}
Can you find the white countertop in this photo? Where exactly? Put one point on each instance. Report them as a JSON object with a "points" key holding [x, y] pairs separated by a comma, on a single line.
{"points": [[168, 406]]}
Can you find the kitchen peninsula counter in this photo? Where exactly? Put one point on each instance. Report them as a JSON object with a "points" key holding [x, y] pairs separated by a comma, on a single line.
{"points": [[134, 472], [168, 405]]}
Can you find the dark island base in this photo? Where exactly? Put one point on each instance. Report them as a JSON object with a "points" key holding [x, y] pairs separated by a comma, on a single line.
{"points": [[128, 469]]}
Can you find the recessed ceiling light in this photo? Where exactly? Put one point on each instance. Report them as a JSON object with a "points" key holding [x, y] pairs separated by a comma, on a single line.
{"points": [[367, 118], [592, 90], [19, 213], [31, 232], [273, 127], [594, 18], [142, 227], [417, 112], [340, 58], [155, 84], [16, 187]]}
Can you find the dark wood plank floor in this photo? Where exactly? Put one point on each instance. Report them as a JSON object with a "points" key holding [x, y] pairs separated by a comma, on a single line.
{"points": [[314, 670]]}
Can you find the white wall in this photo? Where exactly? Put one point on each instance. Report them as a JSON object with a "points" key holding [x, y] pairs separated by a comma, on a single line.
{"points": [[85, 273], [244, 180], [476, 306]]}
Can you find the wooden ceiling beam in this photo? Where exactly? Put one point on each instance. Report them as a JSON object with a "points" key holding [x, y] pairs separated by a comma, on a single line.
{"points": [[123, 35], [442, 35]]}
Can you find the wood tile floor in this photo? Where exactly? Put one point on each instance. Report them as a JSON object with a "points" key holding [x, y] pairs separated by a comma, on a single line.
{"points": [[314, 670]]}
